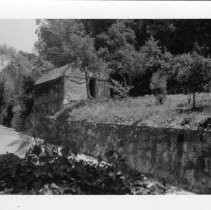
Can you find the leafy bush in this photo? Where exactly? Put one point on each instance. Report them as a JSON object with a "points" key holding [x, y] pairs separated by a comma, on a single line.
{"points": [[42, 170], [119, 90], [46, 170], [158, 86]]}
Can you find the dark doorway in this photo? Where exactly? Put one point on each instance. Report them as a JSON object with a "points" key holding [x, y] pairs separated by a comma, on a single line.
{"points": [[8, 117], [92, 86]]}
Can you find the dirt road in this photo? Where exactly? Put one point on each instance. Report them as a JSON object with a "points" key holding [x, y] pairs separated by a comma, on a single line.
{"points": [[9, 140]]}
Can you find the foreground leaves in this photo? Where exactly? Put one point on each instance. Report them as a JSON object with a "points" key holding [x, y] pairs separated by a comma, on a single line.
{"points": [[44, 173]]}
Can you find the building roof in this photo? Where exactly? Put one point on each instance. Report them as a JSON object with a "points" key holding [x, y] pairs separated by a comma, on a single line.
{"points": [[64, 71]]}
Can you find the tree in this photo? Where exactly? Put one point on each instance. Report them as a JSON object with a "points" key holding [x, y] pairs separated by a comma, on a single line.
{"points": [[119, 52], [67, 41], [129, 51], [101, 50], [151, 60], [54, 39], [1, 95], [17, 79], [158, 85], [193, 71], [164, 31]]}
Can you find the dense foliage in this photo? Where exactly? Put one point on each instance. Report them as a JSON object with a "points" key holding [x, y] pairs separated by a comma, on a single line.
{"points": [[131, 51], [46, 171], [16, 84], [136, 56]]}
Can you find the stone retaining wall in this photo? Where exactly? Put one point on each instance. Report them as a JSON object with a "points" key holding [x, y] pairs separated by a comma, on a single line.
{"points": [[181, 157]]}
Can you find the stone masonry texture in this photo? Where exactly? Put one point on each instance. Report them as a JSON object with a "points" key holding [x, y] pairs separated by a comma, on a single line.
{"points": [[180, 157]]}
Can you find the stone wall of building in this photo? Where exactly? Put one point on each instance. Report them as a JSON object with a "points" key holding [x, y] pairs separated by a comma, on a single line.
{"points": [[74, 89], [180, 157]]}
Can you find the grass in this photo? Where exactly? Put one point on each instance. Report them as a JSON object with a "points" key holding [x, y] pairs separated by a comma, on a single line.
{"points": [[174, 112]]}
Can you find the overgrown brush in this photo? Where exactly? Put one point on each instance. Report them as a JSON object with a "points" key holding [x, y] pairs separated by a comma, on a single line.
{"points": [[45, 170]]}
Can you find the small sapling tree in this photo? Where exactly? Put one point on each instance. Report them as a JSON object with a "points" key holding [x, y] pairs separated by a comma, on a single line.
{"points": [[158, 86], [193, 70]]}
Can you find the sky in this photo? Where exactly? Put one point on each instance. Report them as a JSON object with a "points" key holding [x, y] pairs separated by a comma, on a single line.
{"points": [[19, 33]]}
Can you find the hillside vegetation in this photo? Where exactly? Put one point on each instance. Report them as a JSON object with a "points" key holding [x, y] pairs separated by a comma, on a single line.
{"points": [[176, 111], [136, 57]]}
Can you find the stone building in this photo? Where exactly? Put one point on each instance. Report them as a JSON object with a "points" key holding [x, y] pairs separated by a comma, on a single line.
{"points": [[65, 85]]}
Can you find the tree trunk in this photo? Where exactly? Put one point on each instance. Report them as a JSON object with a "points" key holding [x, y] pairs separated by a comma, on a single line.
{"points": [[87, 84], [194, 101]]}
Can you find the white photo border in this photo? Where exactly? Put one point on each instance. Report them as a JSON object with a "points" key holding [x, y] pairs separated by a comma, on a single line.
{"points": [[105, 10]]}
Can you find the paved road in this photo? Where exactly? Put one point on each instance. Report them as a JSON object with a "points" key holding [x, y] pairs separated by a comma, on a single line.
{"points": [[9, 140]]}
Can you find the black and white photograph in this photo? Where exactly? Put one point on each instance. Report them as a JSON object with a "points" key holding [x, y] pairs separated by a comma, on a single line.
{"points": [[105, 106]]}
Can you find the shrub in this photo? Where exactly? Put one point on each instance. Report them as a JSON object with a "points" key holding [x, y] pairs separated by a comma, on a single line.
{"points": [[44, 170], [119, 90], [158, 86]]}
